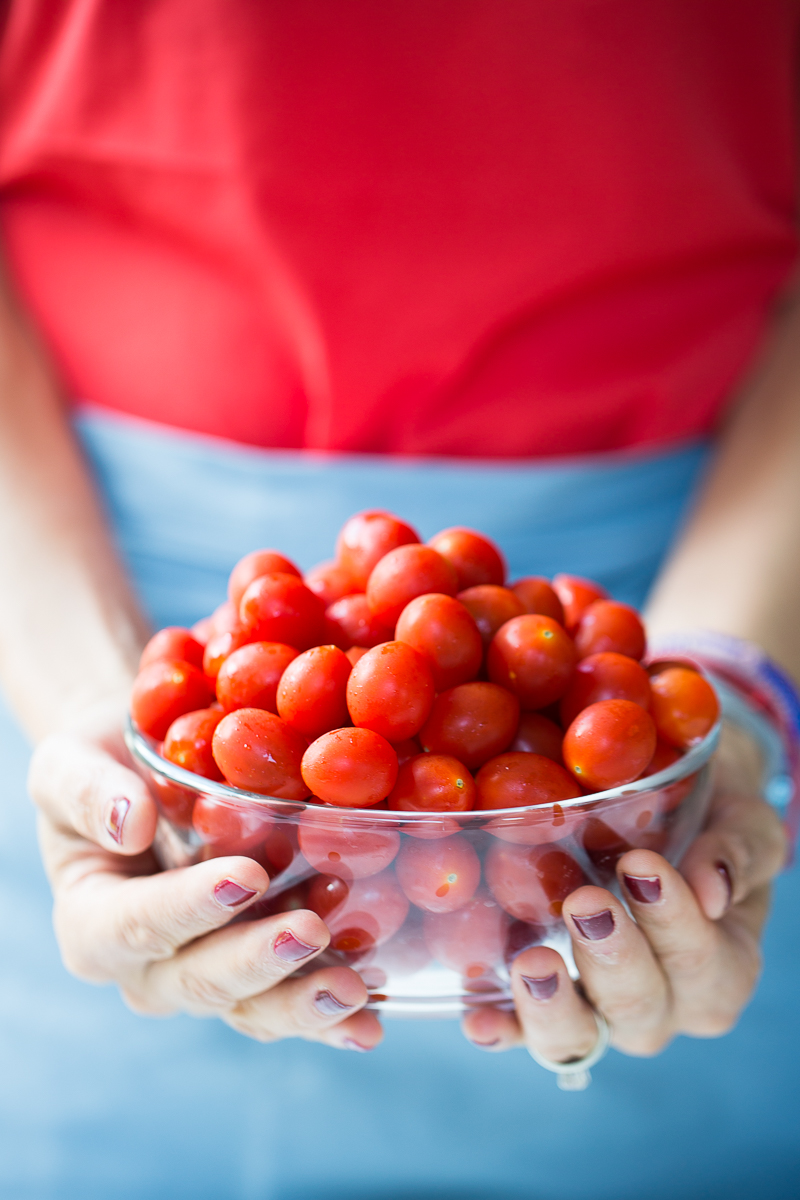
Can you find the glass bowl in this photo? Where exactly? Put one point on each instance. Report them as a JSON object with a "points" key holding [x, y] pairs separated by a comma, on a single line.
{"points": [[429, 909]]}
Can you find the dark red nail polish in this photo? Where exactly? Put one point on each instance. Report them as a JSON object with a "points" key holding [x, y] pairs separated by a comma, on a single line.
{"points": [[644, 888], [726, 879], [543, 988], [115, 817], [290, 948], [232, 894], [596, 926], [327, 1004], [352, 1045]]}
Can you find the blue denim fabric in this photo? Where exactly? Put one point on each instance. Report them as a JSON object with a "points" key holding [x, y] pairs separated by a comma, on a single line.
{"points": [[98, 1103]]}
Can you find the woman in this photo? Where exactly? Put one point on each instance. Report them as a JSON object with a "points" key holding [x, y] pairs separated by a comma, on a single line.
{"points": [[527, 252]]}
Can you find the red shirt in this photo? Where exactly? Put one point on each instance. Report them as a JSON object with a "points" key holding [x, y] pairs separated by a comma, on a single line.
{"points": [[453, 227]]}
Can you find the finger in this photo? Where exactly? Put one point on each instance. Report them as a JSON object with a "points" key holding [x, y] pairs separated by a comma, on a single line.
{"points": [[81, 787], [309, 1007], [107, 925], [619, 971], [743, 848], [492, 1029], [555, 1019]]}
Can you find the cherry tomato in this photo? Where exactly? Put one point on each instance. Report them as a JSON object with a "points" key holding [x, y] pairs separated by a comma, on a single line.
{"points": [[349, 622], [329, 581], [350, 853], [164, 691], [665, 755], [490, 607], [355, 654], [438, 876], [277, 853], [280, 608], [353, 768], [473, 557], [188, 742], [249, 676], [532, 882], [366, 538], [325, 893], [518, 779], [536, 595], [607, 625], [521, 936], [609, 743], [176, 803], [472, 722], [684, 706], [257, 751], [172, 644], [433, 783], [391, 691], [372, 912], [534, 658], [604, 676], [219, 647], [537, 734], [402, 575], [225, 619], [228, 828], [409, 748], [470, 940], [254, 565], [444, 633], [312, 691], [604, 846], [622, 828], [201, 630], [576, 595]]}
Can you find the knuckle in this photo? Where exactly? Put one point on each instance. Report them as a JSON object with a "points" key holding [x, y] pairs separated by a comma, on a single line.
{"points": [[637, 1011], [140, 939], [143, 1003], [77, 957], [202, 994], [246, 1021]]}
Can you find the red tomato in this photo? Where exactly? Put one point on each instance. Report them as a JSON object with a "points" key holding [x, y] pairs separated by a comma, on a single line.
{"points": [[280, 608], [604, 676], [349, 622], [402, 575], [229, 828], [433, 783], [636, 823], [576, 595], [518, 779], [201, 630], [176, 803], [537, 734], [225, 619], [609, 743], [173, 644], [472, 722], [329, 581], [470, 940], [188, 742], [490, 607], [325, 893], [353, 768], [474, 558], [536, 595], [372, 912], [532, 657], [164, 691], [532, 882], [438, 876], [254, 565], [446, 636], [278, 851], [366, 538], [665, 755], [521, 936], [312, 691], [684, 706], [607, 625], [604, 846], [257, 751], [355, 654], [391, 691], [344, 851], [219, 647], [249, 677], [409, 748]]}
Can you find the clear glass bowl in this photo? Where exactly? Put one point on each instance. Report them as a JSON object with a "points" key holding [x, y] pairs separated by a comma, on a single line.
{"points": [[430, 910]]}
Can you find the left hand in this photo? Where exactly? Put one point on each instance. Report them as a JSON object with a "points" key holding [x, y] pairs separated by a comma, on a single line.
{"points": [[690, 960]]}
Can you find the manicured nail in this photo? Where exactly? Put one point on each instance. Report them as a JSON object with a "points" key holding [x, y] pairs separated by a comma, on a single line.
{"points": [[726, 879], [349, 1044], [543, 988], [327, 1004], [596, 926], [486, 1045], [644, 888], [232, 894], [115, 817], [290, 948]]}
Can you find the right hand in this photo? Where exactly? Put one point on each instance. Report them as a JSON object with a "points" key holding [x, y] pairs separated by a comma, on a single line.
{"points": [[164, 936]]}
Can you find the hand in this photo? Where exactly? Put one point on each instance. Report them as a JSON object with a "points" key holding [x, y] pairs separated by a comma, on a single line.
{"points": [[164, 936], [689, 961]]}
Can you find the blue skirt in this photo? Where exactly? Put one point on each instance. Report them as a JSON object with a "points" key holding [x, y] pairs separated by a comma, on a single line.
{"points": [[96, 1102]]}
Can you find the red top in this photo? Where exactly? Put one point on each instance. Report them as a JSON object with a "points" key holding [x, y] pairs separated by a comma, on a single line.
{"points": [[461, 227]]}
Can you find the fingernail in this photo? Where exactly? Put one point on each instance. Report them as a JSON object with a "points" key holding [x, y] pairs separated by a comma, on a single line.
{"points": [[232, 894], [327, 1004], [596, 926], [726, 879], [543, 988], [290, 948], [486, 1045], [644, 888], [115, 817], [349, 1044]]}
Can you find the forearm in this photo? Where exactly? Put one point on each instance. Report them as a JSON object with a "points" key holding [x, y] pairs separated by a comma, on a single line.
{"points": [[70, 631], [736, 569]]}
